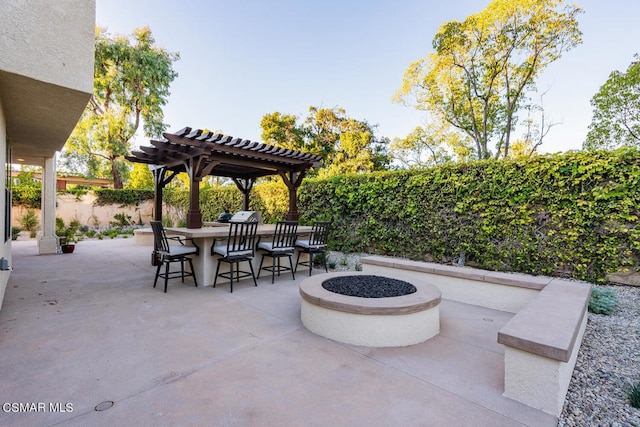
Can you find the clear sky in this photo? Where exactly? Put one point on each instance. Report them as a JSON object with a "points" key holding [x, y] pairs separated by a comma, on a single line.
{"points": [[243, 59]]}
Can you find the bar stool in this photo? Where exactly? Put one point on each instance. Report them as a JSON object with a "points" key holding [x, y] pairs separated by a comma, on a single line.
{"points": [[169, 254], [281, 245], [239, 248], [315, 244]]}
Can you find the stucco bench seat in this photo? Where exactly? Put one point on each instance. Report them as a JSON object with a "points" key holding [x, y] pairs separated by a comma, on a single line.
{"points": [[541, 340], [541, 345]]}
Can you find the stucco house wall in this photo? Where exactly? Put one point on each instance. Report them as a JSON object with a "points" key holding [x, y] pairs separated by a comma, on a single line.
{"points": [[46, 80]]}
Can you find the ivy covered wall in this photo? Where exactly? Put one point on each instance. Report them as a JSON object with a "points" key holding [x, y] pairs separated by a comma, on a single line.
{"points": [[572, 215]]}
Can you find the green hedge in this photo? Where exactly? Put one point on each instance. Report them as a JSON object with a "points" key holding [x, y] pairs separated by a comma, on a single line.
{"points": [[127, 196], [571, 215], [29, 196], [271, 198]]}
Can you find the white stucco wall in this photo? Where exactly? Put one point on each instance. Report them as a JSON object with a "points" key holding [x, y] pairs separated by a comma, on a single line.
{"points": [[371, 330], [5, 247], [48, 41], [46, 80]]}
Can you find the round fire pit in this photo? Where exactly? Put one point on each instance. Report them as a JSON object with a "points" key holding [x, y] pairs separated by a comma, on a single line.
{"points": [[374, 311]]}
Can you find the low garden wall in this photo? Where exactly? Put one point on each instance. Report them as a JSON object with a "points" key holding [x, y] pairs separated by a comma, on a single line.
{"points": [[84, 208]]}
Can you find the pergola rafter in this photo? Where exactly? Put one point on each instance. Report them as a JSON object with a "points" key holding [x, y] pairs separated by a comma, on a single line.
{"points": [[201, 153]]}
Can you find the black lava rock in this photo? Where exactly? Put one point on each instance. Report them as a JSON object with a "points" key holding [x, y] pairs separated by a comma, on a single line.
{"points": [[366, 286]]}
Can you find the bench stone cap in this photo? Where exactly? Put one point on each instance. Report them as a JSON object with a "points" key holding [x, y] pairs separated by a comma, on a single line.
{"points": [[549, 325], [469, 273]]}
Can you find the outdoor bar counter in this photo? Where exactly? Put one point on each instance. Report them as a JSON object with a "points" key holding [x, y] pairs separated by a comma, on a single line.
{"points": [[205, 264]]}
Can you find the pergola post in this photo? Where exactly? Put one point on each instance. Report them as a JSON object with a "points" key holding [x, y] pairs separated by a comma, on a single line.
{"points": [[194, 215], [160, 180], [245, 185], [292, 180], [197, 167], [158, 176]]}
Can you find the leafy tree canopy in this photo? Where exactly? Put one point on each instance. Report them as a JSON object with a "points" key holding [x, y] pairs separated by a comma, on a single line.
{"points": [[347, 145], [616, 111], [484, 67], [430, 145], [131, 85], [140, 177]]}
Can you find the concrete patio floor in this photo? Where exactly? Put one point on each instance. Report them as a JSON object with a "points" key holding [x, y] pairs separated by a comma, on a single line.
{"points": [[88, 328]]}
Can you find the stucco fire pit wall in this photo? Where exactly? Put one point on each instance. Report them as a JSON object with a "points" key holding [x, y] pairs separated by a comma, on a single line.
{"points": [[373, 322]]}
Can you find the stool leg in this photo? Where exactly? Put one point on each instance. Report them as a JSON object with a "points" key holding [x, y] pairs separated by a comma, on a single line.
{"points": [[260, 268], [293, 274], [193, 272], [166, 275], [157, 274], [252, 273], [273, 269], [298, 259], [215, 279], [310, 262]]}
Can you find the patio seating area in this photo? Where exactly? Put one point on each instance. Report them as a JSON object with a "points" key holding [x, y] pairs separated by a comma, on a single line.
{"points": [[88, 329]]}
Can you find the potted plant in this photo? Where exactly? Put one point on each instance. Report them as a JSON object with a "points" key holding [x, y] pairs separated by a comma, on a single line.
{"points": [[68, 234]]}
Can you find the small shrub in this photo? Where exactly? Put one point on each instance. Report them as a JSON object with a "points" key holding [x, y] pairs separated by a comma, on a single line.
{"points": [[358, 267], [112, 232], [121, 220], [319, 259], [15, 231], [332, 265], [634, 395], [90, 233], [603, 301], [68, 234], [29, 221]]}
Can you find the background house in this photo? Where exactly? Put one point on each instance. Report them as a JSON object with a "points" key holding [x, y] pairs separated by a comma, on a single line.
{"points": [[46, 80]]}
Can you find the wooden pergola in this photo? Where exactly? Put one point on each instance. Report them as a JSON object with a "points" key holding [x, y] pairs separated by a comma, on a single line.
{"points": [[201, 153]]}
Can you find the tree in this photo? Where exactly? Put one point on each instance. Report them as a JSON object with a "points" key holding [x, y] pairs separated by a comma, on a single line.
{"points": [[140, 177], [346, 144], [483, 68], [281, 130], [616, 110], [429, 145], [131, 85]]}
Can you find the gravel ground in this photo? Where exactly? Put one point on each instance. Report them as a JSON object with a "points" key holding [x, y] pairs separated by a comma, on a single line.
{"points": [[608, 362]]}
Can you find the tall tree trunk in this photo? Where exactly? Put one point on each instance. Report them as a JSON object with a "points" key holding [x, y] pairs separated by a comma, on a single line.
{"points": [[117, 178]]}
